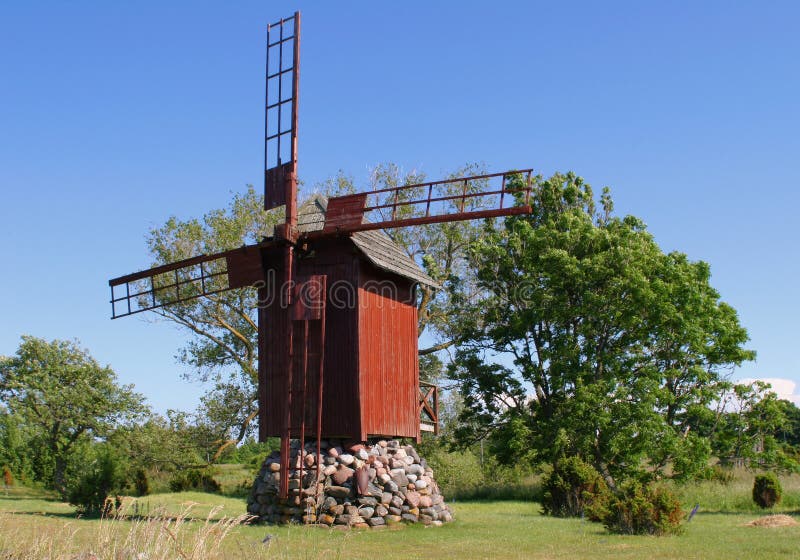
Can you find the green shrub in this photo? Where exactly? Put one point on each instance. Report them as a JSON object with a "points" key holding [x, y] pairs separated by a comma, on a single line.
{"points": [[141, 483], [572, 487], [642, 510], [767, 490], [193, 479], [101, 476], [456, 471]]}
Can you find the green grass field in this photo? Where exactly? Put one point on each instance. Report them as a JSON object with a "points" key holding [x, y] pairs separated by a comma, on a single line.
{"points": [[33, 525]]}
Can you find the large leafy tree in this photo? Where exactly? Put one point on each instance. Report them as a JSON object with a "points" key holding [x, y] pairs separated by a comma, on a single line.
{"points": [[59, 391], [585, 338]]}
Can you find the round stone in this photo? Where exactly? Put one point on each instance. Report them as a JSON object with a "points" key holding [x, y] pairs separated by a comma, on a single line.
{"points": [[346, 459]]}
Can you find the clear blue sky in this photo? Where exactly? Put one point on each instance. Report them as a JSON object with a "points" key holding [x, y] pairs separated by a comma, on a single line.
{"points": [[115, 116]]}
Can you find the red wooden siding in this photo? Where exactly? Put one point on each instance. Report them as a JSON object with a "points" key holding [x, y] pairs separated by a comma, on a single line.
{"points": [[371, 377], [340, 409], [388, 367]]}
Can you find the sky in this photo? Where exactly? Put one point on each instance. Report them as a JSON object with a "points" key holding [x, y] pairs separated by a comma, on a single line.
{"points": [[115, 116]]}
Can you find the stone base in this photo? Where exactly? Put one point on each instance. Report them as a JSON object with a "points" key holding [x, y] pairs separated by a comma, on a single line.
{"points": [[369, 484]]}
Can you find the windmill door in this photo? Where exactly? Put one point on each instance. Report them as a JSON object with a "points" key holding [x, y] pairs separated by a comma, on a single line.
{"points": [[308, 356]]}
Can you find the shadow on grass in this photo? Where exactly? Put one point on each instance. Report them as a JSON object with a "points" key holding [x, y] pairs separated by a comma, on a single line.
{"points": [[491, 493], [24, 497]]}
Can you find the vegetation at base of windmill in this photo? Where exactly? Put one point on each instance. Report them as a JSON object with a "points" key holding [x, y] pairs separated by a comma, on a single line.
{"points": [[466, 474], [64, 398], [250, 453], [767, 491], [617, 340]]}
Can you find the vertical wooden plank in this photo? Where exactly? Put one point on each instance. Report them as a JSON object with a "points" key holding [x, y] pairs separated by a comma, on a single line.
{"points": [[388, 350]]}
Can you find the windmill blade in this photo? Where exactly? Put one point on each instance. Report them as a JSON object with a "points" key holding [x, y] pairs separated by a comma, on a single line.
{"points": [[280, 128], [449, 200], [186, 280]]}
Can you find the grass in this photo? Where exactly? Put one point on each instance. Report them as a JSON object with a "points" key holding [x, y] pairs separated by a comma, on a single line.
{"points": [[33, 525], [736, 496]]}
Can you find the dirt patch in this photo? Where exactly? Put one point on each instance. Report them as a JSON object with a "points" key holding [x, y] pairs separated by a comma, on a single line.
{"points": [[773, 521]]}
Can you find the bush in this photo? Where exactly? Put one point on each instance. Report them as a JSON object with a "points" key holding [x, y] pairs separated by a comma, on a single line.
{"points": [[642, 510], [193, 479], [102, 476], [572, 487], [767, 490], [141, 483], [8, 478]]}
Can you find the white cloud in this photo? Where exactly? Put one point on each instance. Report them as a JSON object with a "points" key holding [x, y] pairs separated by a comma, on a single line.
{"points": [[784, 388]]}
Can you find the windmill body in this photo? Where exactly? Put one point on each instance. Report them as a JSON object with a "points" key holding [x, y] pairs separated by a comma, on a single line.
{"points": [[369, 343]]}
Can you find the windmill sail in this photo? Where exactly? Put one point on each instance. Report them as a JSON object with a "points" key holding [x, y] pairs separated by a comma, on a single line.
{"points": [[449, 200], [282, 84], [185, 280]]}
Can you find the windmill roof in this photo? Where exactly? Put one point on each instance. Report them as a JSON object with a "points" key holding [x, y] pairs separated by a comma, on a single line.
{"points": [[378, 247]]}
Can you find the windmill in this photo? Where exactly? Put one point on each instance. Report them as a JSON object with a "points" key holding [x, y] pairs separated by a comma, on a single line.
{"points": [[337, 322]]}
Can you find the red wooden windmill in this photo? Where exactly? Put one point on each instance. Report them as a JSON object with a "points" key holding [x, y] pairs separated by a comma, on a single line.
{"points": [[337, 320]]}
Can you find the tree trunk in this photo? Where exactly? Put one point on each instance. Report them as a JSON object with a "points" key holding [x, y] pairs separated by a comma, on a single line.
{"points": [[59, 476], [602, 467]]}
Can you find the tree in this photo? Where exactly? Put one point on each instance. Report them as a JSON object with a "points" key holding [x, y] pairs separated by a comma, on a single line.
{"points": [[585, 339], [223, 350], [750, 427], [789, 432], [14, 446], [60, 391], [164, 444]]}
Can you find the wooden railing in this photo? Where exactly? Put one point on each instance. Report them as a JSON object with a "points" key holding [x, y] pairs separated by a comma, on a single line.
{"points": [[428, 407]]}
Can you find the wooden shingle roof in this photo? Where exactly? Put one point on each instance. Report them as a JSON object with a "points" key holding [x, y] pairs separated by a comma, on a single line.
{"points": [[375, 245]]}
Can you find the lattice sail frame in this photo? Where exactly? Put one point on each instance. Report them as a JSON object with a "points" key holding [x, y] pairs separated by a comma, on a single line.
{"points": [[280, 114], [448, 200]]}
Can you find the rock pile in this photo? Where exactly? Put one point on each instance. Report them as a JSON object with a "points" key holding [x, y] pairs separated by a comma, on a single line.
{"points": [[360, 485]]}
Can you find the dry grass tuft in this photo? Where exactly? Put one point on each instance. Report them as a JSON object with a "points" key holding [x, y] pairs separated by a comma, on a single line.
{"points": [[773, 521], [157, 536]]}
